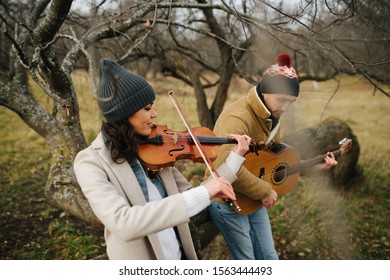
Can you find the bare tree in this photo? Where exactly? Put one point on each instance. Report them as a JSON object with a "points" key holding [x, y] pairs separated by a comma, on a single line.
{"points": [[46, 40]]}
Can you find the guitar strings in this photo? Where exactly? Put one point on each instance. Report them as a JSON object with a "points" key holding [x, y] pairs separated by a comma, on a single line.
{"points": [[295, 167]]}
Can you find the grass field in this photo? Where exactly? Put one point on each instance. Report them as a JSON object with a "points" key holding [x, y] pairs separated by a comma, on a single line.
{"points": [[313, 221]]}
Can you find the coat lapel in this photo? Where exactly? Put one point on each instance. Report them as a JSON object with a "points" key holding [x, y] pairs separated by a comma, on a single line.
{"points": [[129, 185], [262, 114], [127, 180]]}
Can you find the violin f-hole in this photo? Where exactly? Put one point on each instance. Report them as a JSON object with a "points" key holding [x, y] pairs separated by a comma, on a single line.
{"points": [[170, 153]]}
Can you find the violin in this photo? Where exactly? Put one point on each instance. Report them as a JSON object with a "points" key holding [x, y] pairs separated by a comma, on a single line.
{"points": [[164, 147]]}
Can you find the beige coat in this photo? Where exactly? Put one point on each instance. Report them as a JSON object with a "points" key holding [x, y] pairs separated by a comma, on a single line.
{"points": [[246, 116], [117, 200]]}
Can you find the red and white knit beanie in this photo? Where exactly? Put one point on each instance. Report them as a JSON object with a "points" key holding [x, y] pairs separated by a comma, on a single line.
{"points": [[280, 78]]}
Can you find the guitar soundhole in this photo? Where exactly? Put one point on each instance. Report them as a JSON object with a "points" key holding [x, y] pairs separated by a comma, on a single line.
{"points": [[279, 174]]}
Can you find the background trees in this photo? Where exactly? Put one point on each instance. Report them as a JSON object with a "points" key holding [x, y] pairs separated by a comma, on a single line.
{"points": [[203, 43]]}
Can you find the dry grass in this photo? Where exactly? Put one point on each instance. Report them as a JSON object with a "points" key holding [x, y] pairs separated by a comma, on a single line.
{"points": [[352, 100]]}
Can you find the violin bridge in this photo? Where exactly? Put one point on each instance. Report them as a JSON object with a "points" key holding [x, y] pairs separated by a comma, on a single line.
{"points": [[175, 138]]}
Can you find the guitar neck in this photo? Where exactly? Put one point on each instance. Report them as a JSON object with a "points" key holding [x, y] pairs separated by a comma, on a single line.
{"points": [[306, 164]]}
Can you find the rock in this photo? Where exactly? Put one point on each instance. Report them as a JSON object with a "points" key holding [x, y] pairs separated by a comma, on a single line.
{"points": [[325, 137]]}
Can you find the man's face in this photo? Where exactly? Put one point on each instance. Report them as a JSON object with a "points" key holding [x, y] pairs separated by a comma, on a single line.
{"points": [[278, 103]]}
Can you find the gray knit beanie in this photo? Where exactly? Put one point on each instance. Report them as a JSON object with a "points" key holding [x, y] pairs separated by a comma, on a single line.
{"points": [[122, 93]]}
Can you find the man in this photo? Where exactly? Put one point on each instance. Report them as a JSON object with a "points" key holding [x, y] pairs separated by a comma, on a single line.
{"points": [[256, 115]]}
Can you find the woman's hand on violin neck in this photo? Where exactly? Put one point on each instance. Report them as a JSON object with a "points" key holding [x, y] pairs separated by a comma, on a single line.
{"points": [[243, 141], [220, 188]]}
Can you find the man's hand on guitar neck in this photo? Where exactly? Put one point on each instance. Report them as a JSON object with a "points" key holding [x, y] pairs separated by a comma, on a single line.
{"points": [[329, 162], [270, 200]]}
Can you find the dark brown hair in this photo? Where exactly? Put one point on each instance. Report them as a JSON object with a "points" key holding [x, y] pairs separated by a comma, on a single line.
{"points": [[122, 140]]}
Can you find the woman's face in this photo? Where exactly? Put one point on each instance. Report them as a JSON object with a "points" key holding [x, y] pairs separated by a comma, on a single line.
{"points": [[142, 120]]}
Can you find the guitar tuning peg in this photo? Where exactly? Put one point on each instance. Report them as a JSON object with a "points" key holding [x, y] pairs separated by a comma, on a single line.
{"points": [[343, 141]]}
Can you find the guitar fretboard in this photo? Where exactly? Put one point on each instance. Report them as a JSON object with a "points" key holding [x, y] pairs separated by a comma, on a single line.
{"points": [[306, 164]]}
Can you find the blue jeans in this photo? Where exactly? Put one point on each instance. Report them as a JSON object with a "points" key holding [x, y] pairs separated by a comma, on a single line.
{"points": [[248, 237]]}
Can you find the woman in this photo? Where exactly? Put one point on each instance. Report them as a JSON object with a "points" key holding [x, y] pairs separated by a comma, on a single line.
{"points": [[145, 214]]}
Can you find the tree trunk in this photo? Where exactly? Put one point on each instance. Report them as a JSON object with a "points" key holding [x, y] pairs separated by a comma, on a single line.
{"points": [[62, 190]]}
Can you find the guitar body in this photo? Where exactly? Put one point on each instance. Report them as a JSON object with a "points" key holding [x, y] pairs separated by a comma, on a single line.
{"points": [[274, 166]]}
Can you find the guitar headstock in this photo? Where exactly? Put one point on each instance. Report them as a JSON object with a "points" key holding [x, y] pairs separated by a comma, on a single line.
{"points": [[346, 145]]}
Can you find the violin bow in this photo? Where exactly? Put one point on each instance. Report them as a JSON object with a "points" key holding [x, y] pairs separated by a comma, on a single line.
{"points": [[209, 164]]}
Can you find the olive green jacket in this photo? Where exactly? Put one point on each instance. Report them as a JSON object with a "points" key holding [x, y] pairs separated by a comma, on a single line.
{"points": [[249, 116]]}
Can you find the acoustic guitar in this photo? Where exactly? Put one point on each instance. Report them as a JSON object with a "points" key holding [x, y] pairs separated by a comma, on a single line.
{"points": [[281, 166]]}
